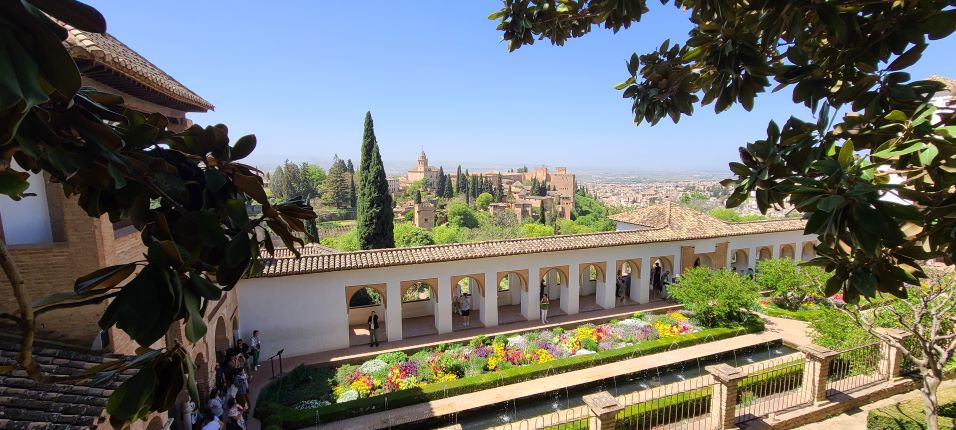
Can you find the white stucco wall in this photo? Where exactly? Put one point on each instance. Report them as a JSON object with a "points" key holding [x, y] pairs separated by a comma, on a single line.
{"points": [[27, 221], [307, 313]]}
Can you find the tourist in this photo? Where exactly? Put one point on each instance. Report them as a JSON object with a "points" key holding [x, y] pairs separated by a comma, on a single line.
{"points": [[750, 272], [373, 329], [215, 403], [465, 307], [220, 377], [243, 348], [456, 305], [544, 309], [620, 290], [256, 347], [236, 413], [211, 422], [242, 388], [656, 276]]}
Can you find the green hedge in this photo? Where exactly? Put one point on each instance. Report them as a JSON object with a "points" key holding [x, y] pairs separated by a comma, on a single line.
{"points": [[665, 410], [293, 418], [778, 379]]}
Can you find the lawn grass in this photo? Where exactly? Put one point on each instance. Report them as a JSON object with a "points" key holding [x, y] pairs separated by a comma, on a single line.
{"points": [[802, 314], [909, 415]]}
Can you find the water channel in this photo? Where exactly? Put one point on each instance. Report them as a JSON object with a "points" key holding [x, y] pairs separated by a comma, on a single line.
{"points": [[570, 397]]}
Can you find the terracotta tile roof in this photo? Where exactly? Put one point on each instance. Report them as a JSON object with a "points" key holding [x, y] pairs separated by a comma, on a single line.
{"points": [[950, 83], [675, 223], [109, 51], [25, 404]]}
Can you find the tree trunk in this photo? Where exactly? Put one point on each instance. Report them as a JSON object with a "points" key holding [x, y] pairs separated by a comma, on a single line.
{"points": [[930, 402]]}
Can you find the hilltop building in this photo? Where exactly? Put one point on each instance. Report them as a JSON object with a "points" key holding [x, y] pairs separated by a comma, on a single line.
{"points": [[421, 172]]}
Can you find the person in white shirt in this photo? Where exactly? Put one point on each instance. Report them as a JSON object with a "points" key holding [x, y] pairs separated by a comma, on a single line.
{"points": [[211, 422], [256, 345], [465, 307]]}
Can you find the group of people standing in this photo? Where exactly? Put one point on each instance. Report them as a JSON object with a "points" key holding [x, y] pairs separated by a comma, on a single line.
{"points": [[228, 404]]}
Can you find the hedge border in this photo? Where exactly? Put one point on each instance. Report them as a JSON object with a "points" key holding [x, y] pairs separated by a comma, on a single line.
{"points": [[298, 418]]}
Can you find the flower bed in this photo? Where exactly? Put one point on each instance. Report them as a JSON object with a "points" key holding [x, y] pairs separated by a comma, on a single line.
{"points": [[566, 351], [395, 371]]}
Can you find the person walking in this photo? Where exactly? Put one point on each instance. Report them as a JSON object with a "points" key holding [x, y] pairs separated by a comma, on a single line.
{"points": [[465, 307], [373, 329], [544, 309], [656, 276], [256, 345], [215, 403], [620, 289]]}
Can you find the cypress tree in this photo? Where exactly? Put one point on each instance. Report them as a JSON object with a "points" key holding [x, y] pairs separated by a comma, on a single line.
{"points": [[353, 196], [418, 196], [375, 223], [459, 181], [500, 189], [440, 185], [541, 215]]}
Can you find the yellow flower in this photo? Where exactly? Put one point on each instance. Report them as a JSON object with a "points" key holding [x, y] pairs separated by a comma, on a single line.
{"points": [[544, 356], [585, 333], [492, 362]]}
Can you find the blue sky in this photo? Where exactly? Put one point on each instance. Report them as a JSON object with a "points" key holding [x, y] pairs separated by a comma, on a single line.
{"points": [[436, 76]]}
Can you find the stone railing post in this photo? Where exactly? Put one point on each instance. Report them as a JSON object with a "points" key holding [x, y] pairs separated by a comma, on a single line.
{"points": [[816, 371], [723, 400], [603, 409], [890, 357]]}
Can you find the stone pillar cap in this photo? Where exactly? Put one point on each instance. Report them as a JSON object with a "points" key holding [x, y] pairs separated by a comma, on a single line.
{"points": [[817, 351], [602, 402], [725, 372]]}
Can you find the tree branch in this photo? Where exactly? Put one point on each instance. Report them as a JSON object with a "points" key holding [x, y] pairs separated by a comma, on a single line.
{"points": [[26, 320]]}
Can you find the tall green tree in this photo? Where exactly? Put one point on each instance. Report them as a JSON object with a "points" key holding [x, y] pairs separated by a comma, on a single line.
{"points": [[335, 188], [440, 182], [278, 185], [312, 176], [499, 189], [375, 225], [459, 181], [353, 195]]}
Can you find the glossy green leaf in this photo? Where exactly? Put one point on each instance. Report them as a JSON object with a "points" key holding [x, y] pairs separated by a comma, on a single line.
{"points": [[104, 278]]}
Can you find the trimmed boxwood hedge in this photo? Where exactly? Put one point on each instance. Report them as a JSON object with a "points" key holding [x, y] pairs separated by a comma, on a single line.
{"points": [[296, 418]]}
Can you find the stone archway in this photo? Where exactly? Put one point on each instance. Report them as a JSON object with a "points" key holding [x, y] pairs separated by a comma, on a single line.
{"points": [[764, 253], [787, 251], [740, 261], [361, 301], [419, 307], [592, 275], [223, 341], [809, 251], [468, 288], [703, 260], [553, 279]]}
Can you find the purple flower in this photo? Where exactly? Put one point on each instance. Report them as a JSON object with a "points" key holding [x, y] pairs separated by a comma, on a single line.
{"points": [[482, 351]]}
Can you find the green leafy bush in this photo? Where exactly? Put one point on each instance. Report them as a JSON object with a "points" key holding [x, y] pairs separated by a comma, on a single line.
{"points": [[791, 283], [715, 297], [460, 215]]}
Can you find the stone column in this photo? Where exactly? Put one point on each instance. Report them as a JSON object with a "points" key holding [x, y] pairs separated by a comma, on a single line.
{"points": [[817, 370], [603, 409], [489, 305], [752, 258], [640, 281], [443, 310], [606, 294], [676, 262], [723, 401], [730, 254], [893, 358], [571, 293], [798, 251], [393, 311], [531, 298]]}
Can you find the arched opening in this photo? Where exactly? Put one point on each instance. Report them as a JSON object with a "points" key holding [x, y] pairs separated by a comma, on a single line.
{"points": [[739, 261], [511, 286], [764, 254], [660, 274], [155, 424], [551, 283], [787, 251], [222, 337], [467, 297], [363, 302], [703, 260], [591, 275], [419, 306], [235, 328], [809, 252]]}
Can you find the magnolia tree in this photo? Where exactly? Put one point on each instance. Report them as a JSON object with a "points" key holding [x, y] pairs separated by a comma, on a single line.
{"points": [[923, 330], [716, 297], [844, 57], [186, 192]]}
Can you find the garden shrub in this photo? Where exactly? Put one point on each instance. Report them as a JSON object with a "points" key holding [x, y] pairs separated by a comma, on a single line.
{"points": [[791, 284], [715, 297], [666, 410]]}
